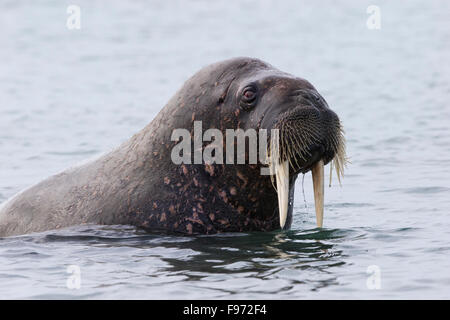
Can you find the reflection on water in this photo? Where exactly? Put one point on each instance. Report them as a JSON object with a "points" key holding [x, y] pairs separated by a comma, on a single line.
{"points": [[261, 263], [312, 263]]}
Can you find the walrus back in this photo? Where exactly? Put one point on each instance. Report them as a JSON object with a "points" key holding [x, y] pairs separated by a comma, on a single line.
{"points": [[59, 201]]}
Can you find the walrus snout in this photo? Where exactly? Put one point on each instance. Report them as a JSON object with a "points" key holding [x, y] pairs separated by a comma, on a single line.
{"points": [[308, 134]]}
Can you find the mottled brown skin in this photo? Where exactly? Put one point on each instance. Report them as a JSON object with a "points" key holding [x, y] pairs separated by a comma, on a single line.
{"points": [[138, 184]]}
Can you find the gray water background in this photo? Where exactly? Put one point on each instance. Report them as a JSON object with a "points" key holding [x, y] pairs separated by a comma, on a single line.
{"points": [[67, 95]]}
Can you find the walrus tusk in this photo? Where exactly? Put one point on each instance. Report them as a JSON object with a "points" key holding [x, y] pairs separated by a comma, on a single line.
{"points": [[282, 176], [318, 184]]}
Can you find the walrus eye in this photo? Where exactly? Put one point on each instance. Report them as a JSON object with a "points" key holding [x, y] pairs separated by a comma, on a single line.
{"points": [[248, 98], [249, 94]]}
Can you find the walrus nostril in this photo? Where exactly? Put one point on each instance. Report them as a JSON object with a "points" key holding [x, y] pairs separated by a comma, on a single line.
{"points": [[309, 98]]}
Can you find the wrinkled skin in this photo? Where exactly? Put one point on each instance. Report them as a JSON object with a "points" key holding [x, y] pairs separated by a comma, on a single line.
{"points": [[138, 184]]}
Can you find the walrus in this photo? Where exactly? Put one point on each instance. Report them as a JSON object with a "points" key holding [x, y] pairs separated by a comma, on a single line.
{"points": [[139, 184]]}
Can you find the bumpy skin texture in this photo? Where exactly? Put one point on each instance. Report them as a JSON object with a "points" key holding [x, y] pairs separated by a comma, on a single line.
{"points": [[138, 183]]}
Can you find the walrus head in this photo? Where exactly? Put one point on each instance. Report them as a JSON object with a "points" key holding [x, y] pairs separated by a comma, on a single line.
{"points": [[246, 93], [310, 134]]}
